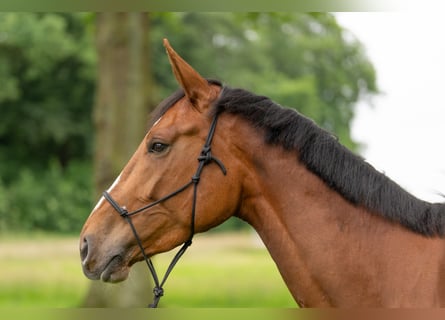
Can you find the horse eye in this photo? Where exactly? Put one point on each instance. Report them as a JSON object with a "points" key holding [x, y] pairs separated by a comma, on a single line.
{"points": [[157, 147]]}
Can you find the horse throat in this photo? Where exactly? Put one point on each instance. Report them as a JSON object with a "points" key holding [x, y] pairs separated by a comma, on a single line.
{"points": [[283, 207]]}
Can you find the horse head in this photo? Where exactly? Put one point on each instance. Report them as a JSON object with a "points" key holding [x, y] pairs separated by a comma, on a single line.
{"points": [[160, 183]]}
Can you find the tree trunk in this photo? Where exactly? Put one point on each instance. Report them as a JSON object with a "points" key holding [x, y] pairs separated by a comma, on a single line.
{"points": [[120, 113]]}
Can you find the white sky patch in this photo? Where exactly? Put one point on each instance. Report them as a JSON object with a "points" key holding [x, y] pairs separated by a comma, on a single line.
{"points": [[404, 132]]}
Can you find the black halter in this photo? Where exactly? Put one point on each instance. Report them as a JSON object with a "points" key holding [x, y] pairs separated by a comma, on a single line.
{"points": [[204, 158]]}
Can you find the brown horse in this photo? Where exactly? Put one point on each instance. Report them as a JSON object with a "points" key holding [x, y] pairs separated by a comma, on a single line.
{"points": [[341, 233]]}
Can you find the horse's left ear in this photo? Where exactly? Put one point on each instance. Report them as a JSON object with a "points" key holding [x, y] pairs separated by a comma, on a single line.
{"points": [[196, 88]]}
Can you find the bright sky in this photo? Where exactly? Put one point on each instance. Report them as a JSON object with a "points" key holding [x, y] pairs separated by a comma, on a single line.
{"points": [[404, 132]]}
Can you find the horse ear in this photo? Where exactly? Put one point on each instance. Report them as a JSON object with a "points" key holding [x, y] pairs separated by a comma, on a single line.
{"points": [[196, 88]]}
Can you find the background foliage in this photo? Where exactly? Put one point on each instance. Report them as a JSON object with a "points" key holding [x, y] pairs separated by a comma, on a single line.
{"points": [[47, 76]]}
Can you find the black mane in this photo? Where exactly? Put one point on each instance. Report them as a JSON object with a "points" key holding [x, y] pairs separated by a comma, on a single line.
{"points": [[348, 174], [339, 168]]}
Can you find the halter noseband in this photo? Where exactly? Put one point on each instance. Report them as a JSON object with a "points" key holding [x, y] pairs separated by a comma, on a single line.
{"points": [[204, 158]]}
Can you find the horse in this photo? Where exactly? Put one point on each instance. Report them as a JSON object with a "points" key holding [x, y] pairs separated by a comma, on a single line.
{"points": [[341, 233]]}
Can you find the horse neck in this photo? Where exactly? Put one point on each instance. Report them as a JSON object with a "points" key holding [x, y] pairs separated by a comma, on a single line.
{"points": [[321, 242]]}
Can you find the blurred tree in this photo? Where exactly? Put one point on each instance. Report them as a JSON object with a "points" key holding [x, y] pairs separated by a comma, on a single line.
{"points": [[46, 72], [123, 101], [46, 93]]}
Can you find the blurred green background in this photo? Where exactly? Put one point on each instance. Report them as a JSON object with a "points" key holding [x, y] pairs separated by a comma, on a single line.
{"points": [[52, 71]]}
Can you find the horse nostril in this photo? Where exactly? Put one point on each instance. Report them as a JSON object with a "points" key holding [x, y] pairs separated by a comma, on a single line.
{"points": [[84, 249]]}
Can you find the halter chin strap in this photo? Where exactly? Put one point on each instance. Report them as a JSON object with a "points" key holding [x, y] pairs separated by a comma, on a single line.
{"points": [[204, 158]]}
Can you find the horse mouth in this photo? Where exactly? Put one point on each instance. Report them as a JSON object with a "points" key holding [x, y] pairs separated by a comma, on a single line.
{"points": [[116, 270]]}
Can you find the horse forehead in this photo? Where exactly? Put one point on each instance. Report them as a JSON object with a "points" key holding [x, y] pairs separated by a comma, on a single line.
{"points": [[177, 117], [156, 124]]}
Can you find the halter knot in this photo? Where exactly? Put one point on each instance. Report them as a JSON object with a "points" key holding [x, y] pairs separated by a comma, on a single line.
{"points": [[206, 157], [195, 179], [123, 211], [158, 292]]}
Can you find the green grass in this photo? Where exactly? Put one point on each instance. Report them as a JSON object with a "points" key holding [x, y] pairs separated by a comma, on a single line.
{"points": [[40, 271], [219, 270]]}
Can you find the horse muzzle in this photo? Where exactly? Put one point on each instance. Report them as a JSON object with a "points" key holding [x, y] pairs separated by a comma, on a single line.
{"points": [[108, 267]]}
